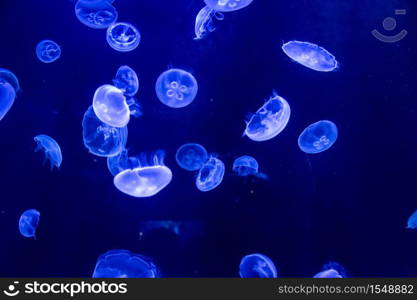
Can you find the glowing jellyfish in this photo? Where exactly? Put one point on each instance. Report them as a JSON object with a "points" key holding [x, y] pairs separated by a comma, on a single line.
{"points": [[318, 137], [204, 23], [127, 81], [210, 175], [8, 76], [50, 148], [28, 222], [247, 166], [48, 51], [257, 266], [100, 138], [96, 14], [227, 5], [412, 221], [124, 264], [310, 56], [176, 88], [9, 86], [191, 157], [269, 120], [145, 178], [123, 37], [331, 270]]}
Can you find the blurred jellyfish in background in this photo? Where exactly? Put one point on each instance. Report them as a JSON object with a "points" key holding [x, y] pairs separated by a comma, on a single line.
{"points": [[48, 51], [100, 138], [123, 37], [50, 148], [124, 264], [310, 56], [257, 266], [318, 137], [127, 81], [97, 14], [412, 221], [28, 223], [204, 22], [331, 270], [247, 166], [210, 175], [176, 88], [269, 120], [191, 157], [227, 5]]}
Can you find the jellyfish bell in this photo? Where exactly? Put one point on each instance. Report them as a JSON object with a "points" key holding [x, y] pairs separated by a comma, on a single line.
{"points": [[9, 77], [318, 137], [210, 175], [28, 223], [191, 156], [227, 5], [257, 266], [126, 80], [331, 270], [97, 14], [7, 96], [412, 221], [48, 51], [123, 37], [51, 150], [204, 22]]}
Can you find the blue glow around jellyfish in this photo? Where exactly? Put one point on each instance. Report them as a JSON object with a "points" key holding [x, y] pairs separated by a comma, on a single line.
{"points": [[412, 221], [123, 37], [97, 14], [227, 5], [28, 223], [204, 22], [48, 51], [127, 81], [191, 157], [318, 137], [176, 88], [210, 175], [124, 264], [269, 120], [331, 270], [310, 56], [51, 150], [257, 266]]}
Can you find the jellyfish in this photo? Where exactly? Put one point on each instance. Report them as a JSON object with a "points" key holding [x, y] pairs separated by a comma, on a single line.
{"points": [[8, 76], [331, 270], [126, 80], [48, 51], [144, 177], [412, 221], [191, 157], [310, 56], [269, 120], [28, 222], [50, 148], [318, 137], [9, 86], [123, 37], [210, 175], [124, 264], [247, 166], [227, 5], [176, 88], [204, 23], [257, 266], [100, 138], [97, 14]]}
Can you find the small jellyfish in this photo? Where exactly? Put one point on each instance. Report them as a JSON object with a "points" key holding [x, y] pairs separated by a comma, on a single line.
{"points": [[204, 23], [28, 222], [227, 5], [124, 264], [100, 138], [257, 266], [127, 81], [97, 14], [191, 157], [176, 88], [247, 166], [210, 175], [310, 56], [269, 120], [50, 148], [318, 137], [48, 51], [123, 37], [412, 221], [144, 178], [331, 270]]}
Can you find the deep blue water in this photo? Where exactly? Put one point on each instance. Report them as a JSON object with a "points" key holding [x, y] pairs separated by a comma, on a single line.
{"points": [[349, 204]]}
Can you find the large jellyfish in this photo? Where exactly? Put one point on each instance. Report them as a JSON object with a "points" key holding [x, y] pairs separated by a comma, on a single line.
{"points": [[310, 56], [210, 175], [331, 270], [204, 23], [318, 137], [127, 81], [123, 37], [191, 157], [100, 138], [96, 14], [50, 148], [124, 264], [176, 88], [257, 266], [269, 120], [412, 221], [28, 222], [227, 5], [48, 51]]}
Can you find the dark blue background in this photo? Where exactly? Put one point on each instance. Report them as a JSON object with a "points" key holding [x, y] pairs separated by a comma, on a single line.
{"points": [[349, 204]]}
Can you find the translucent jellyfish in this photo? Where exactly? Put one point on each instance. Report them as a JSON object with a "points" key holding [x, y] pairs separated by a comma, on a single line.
{"points": [[331, 270], [50, 148], [176, 88], [310, 56], [123, 37], [8, 76], [257, 266], [227, 5], [48, 51], [247, 166], [412, 221], [318, 137], [127, 81], [204, 22], [144, 178], [124, 264], [96, 14], [210, 175], [191, 157], [100, 138], [28, 223], [269, 120]]}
